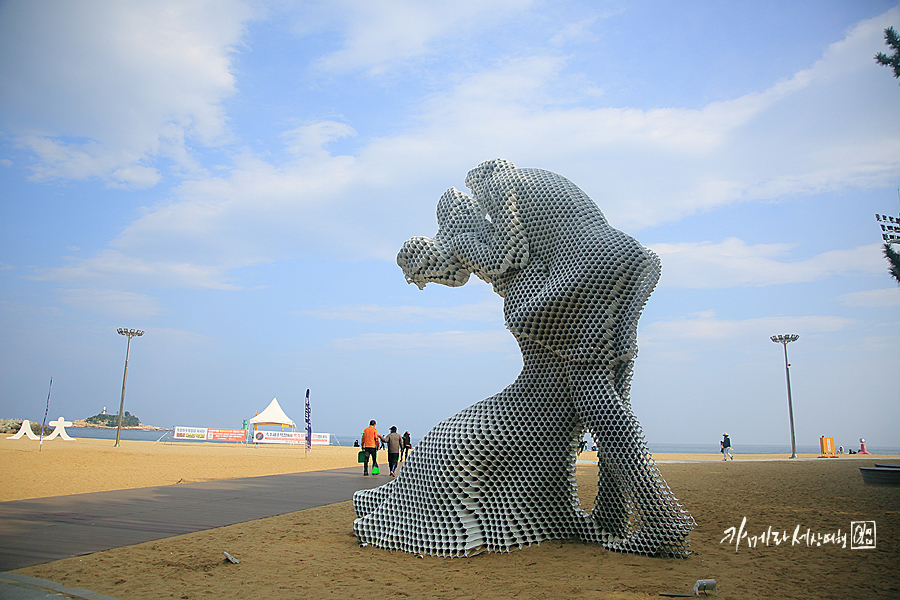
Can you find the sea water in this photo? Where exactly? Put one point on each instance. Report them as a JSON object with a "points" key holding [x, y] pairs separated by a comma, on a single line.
{"points": [[143, 435]]}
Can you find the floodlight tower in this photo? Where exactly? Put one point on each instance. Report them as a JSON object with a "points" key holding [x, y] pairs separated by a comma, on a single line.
{"points": [[785, 340], [890, 226], [129, 333]]}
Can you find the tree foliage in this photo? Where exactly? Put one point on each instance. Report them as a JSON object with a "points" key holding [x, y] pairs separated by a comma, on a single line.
{"points": [[892, 40], [894, 258], [128, 420]]}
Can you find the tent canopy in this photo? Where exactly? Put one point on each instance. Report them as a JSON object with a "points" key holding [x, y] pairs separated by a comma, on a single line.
{"points": [[273, 415]]}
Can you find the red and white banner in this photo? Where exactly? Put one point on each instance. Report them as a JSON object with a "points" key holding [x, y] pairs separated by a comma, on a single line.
{"points": [[190, 433], [290, 437], [320, 439], [212, 435], [226, 435], [239, 435]]}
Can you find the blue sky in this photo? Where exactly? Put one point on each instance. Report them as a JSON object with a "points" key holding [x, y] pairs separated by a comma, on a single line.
{"points": [[236, 178]]}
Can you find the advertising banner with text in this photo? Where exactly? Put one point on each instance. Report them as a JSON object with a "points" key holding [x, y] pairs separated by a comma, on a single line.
{"points": [[190, 433], [226, 435], [279, 437], [212, 435], [319, 439], [289, 437], [239, 435]]}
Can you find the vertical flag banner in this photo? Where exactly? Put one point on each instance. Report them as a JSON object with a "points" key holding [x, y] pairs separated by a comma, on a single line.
{"points": [[47, 410], [308, 424]]}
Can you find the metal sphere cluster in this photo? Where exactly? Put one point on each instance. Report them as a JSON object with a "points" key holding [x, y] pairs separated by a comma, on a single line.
{"points": [[501, 474]]}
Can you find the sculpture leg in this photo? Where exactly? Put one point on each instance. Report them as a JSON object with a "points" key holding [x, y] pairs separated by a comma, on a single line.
{"points": [[633, 501], [497, 475]]}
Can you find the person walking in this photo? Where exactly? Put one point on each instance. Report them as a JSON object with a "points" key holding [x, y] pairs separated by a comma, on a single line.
{"points": [[394, 442], [407, 446], [370, 443], [726, 447]]}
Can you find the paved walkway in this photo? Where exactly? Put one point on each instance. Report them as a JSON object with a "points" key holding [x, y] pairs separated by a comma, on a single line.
{"points": [[47, 529]]}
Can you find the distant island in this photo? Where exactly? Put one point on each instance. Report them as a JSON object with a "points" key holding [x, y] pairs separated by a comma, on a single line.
{"points": [[107, 421]]}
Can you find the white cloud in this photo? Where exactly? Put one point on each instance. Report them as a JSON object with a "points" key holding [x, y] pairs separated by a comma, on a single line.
{"points": [[113, 268], [97, 88], [706, 327], [168, 338], [828, 127], [578, 31], [114, 303], [457, 342], [872, 298], [488, 311], [378, 36], [89, 159], [311, 139], [733, 262]]}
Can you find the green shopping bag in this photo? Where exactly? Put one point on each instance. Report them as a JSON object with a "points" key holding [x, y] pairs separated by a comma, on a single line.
{"points": [[375, 471], [361, 457]]}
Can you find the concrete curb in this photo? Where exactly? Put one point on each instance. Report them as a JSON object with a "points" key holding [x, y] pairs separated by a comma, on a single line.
{"points": [[21, 587]]}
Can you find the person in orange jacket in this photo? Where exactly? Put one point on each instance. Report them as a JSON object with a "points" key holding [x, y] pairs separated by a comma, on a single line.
{"points": [[371, 441]]}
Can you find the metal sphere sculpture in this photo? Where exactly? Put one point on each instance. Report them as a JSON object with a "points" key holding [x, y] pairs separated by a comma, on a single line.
{"points": [[501, 474]]}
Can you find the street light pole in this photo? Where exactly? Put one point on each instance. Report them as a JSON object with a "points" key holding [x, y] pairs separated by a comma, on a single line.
{"points": [[129, 333], [785, 340]]}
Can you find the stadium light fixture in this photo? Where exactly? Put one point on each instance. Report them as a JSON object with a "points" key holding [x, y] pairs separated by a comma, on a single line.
{"points": [[785, 340], [129, 333], [890, 226]]}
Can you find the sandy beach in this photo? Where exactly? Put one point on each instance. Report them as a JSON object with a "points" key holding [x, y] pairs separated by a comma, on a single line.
{"points": [[313, 553]]}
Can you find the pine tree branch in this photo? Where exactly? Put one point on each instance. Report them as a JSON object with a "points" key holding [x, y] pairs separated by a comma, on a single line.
{"points": [[892, 40], [893, 258]]}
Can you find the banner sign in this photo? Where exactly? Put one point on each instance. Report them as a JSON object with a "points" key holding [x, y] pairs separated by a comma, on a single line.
{"points": [[321, 439], [226, 435], [212, 435], [200, 434], [290, 437], [190, 433], [278, 437]]}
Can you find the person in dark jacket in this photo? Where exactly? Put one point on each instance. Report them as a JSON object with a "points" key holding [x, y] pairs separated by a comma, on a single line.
{"points": [[394, 442], [407, 446], [726, 447]]}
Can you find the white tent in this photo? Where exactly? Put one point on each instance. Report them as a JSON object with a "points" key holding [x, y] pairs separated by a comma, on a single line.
{"points": [[273, 415]]}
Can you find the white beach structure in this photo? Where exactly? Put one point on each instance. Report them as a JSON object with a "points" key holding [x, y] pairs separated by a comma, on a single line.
{"points": [[272, 415]]}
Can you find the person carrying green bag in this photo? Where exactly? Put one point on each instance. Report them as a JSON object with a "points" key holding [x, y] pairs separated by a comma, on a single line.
{"points": [[371, 441]]}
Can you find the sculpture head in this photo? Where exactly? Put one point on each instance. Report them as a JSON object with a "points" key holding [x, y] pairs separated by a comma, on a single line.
{"points": [[485, 171], [432, 260]]}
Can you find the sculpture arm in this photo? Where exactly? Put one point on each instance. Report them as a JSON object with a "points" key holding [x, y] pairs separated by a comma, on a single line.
{"points": [[474, 250]]}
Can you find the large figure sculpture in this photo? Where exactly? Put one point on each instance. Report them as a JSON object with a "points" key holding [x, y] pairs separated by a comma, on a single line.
{"points": [[501, 473]]}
